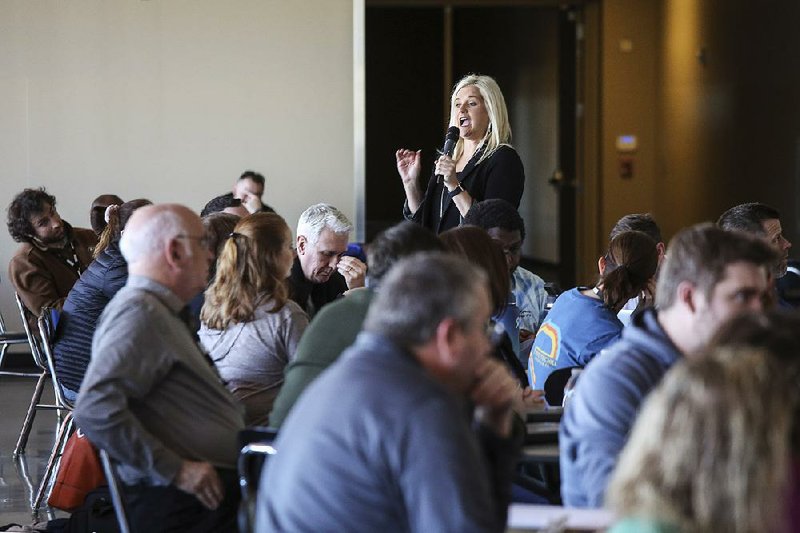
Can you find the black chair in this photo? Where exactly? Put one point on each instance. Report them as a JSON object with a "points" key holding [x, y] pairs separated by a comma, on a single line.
{"points": [[256, 448], [555, 384]]}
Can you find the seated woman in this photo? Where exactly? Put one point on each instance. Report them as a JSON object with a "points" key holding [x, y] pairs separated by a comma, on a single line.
{"points": [[475, 244], [249, 326], [584, 320], [105, 276], [712, 448]]}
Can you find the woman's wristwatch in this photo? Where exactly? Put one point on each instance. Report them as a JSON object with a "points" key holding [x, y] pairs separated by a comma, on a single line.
{"points": [[455, 192]]}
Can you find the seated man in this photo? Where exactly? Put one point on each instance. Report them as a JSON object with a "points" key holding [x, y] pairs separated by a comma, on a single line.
{"points": [[708, 276], [764, 222], [335, 328], [53, 254], [382, 440], [151, 398], [248, 189], [224, 204], [321, 272], [503, 223]]}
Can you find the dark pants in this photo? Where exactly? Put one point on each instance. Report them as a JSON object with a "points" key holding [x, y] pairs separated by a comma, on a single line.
{"points": [[169, 509]]}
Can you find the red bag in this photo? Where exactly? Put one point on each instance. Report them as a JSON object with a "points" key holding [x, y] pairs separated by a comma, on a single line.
{"points": [[79, 473]]}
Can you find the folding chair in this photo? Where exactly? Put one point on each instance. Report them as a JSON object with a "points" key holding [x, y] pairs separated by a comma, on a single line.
{"points": [[37, 352], [46, 332], [117, 496], [10, 338], [252, 459]]}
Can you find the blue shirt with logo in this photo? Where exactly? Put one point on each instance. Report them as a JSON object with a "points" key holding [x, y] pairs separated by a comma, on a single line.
{"points": [[576, 329]]}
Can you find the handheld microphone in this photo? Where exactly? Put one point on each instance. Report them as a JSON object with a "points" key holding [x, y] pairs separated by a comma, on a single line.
{"points": [[450, 141]]}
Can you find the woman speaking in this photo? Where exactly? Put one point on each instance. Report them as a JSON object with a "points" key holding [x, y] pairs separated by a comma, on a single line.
{"points": [[483, 164]]}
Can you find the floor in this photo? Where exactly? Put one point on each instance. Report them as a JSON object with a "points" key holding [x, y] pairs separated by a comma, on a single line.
{"points": [[20, 479]]}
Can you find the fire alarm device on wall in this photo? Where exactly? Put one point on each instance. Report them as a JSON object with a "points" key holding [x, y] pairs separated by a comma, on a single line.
{"points": [[627, 143]]}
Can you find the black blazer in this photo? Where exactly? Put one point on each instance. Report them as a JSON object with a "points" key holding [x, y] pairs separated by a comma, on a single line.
{"points": [[499, 176]]}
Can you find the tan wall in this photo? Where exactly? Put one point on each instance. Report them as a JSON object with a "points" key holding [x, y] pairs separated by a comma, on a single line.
{"points": [[712, 133], [172, 99], [629, 107]]}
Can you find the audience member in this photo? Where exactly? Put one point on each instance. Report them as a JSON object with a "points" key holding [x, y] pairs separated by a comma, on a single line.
{"points": [[504, 224], [97, 213], [335, 327], [88, 298], [381, 441], [765, 222], [476, 246], [645, 223], [708, 276], [711, 449], [150, 397], [218, 226], [321, 273], [249, 326], [583, 321], [248, 189], [224, 204], [53, 253]]}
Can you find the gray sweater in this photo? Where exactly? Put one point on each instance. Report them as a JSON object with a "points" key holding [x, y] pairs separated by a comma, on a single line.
{"points": [[150, 397], [251, 356]]}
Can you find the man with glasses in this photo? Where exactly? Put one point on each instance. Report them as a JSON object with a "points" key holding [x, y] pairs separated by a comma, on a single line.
{"points": [[411, 428], [151, 398], [53, 254]]}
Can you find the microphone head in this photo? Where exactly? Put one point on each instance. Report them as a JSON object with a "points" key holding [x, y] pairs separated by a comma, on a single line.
{"points": [[452, 134]]}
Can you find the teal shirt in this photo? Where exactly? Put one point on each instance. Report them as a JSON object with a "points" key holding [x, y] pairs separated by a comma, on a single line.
{"points": [[643, 525]]}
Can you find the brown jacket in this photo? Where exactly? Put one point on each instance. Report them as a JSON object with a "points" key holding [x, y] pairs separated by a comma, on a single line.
{"points": [[43, 277]]}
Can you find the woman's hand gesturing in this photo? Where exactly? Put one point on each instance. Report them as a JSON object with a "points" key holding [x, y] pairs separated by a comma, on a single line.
{"points": [[409, 164]]}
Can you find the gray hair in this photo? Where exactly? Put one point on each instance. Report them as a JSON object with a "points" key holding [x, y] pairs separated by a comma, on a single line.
{"points": [[422, 290], [320, 216], [146, 238]]}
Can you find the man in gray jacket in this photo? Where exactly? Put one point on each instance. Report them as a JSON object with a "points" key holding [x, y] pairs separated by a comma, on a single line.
{"points": [[708, 276], [411, 429], [151, 398]]}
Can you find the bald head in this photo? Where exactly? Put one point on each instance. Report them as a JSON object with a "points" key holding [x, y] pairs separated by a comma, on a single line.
{"points": [[167, 243]]}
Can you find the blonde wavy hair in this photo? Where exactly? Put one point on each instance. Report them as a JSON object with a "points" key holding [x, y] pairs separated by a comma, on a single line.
{"points": [[499, 131], [248, 271], [710, 450]]}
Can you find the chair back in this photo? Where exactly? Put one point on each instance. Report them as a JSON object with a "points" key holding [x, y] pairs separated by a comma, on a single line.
{"points": [[33, 338], [252, 458], [47, 330], [8, 338], [117, 496]]}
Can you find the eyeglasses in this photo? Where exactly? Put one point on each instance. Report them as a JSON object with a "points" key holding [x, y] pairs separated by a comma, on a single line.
{"points": [[202, 240]]}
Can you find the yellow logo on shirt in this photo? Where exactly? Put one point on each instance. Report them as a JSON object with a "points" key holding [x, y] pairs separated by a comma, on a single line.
{"points": [[545, 348]]}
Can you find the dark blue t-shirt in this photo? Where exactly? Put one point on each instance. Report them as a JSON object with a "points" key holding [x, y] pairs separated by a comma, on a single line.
{"points": [[576, 329]]}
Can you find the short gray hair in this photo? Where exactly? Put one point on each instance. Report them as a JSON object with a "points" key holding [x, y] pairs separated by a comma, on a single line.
{"points": [[422, 290], [147, 238], [320, 216]]}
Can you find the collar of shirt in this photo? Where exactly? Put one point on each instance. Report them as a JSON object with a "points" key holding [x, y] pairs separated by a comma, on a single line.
{"points": [[169, 298]]}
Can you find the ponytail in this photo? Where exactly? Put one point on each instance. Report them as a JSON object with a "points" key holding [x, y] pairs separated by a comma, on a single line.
{"points": [[631, 263]]}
